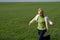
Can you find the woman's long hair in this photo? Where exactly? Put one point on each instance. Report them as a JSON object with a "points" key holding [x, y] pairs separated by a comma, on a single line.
{"points": [[41, 12]]}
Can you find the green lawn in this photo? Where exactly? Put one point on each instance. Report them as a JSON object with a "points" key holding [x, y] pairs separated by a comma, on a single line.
{"points": [[14, 19]]}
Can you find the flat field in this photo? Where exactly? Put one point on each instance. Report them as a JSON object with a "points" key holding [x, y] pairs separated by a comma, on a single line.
{"points": [[15, 16]]}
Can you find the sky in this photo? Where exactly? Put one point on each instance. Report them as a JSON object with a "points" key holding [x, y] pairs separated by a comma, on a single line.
{"points": [[29, 0]]}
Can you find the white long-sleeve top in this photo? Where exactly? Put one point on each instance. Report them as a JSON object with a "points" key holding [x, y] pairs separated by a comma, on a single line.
{"points": [[46, 19]]}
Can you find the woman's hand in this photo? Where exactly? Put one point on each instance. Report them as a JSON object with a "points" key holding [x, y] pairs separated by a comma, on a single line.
{"points": [[29, 24]]}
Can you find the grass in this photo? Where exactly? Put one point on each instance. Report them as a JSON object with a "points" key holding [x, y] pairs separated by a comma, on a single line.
{"points": [[14, 19]]}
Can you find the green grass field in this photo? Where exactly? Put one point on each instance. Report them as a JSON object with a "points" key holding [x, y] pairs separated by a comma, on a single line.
{"points": [[14, 19]]}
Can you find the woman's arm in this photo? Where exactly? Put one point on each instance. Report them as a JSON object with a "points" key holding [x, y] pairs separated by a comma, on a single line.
{"points": [[50, 22], [46, 23], [34, 19]]}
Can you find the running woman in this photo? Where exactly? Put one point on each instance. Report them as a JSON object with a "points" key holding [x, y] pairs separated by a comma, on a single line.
{"points": [[43, 22]]}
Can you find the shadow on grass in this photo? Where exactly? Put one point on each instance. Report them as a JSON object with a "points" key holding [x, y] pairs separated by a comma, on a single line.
{"points": [[46, 37]]}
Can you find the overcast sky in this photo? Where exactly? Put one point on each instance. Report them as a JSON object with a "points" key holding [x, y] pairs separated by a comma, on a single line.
{"points": [[29, 0]]}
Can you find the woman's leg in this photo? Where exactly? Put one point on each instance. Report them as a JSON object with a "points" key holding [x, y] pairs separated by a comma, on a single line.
{"points": [[40, 34]]}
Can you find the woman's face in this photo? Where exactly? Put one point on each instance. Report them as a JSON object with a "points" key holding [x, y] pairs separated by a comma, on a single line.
{"points": [[40, 12]]}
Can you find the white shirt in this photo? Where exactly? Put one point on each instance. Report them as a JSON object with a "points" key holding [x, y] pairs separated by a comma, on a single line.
{"points": [[46, 19]]}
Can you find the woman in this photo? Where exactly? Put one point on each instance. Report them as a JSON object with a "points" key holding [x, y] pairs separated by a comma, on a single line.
{"points": [[42, 23]]}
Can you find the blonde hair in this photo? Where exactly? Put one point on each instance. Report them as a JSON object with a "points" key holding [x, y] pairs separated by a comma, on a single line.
{"points": [[41, 11], [39, 8]]}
